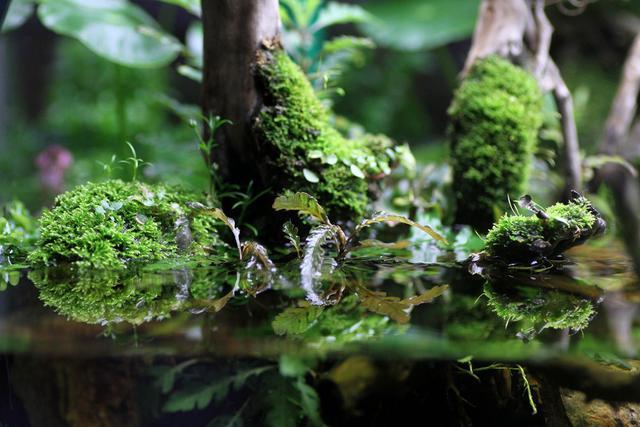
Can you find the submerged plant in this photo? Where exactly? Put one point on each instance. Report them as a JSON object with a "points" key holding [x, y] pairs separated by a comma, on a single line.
{"points": [[304, 150], [546, 233], [495, 118], [111, 223]]}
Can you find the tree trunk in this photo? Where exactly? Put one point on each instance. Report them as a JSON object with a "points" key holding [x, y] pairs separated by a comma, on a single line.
{"points": [[233, 32]]}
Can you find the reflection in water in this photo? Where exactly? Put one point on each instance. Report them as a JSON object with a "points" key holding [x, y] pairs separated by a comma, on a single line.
{"points": [[249, 333]]}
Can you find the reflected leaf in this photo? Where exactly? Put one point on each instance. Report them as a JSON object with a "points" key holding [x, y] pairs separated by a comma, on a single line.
{"points": [[296, 320], [394, 307], [291, 233], [313, 260]]}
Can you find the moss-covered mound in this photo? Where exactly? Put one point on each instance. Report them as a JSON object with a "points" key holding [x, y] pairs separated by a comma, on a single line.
{"points": [[108, 224], [495, 118], [304, 150], [519, 237]]}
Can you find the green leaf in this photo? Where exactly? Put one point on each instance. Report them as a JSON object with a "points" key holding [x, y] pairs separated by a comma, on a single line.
{"points": [[339, 13], [310, 402], [302, 203], [19, 11], [292, 366], [379, 217], [296, 320], [199, 397], [356, 171], [310, 176], [418, 24], [291, 233], [192, 6], [114, 29]]}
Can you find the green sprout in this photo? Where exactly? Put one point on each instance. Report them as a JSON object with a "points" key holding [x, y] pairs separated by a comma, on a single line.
{"points": [[134, 161]]}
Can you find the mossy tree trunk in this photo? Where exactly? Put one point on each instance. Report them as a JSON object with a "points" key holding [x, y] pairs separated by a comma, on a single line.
{"points": [[233, 32]]}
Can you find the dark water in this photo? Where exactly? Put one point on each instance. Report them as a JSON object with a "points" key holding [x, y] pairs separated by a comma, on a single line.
{"points": [[369, 342]]}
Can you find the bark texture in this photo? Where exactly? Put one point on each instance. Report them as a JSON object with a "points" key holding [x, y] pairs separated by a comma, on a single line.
{"points": [[233, 32]]}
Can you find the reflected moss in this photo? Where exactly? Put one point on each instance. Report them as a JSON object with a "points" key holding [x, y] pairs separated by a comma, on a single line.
{"points": [[536, 309], [140, 293], [103, 297]]}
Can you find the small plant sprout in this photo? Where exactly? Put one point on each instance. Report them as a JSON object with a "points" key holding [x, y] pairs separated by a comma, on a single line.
{"points": [[206, 146], [109, 167], [134, 161]]}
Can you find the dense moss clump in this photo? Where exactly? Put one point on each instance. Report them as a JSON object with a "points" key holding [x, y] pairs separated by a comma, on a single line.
{"points": [[304, 151], [108, 224], [495, 118], [561, 226]]}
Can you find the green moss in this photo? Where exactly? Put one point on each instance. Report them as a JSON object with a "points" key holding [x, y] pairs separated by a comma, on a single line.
{"points": [[108, 224], [539, 309], [518, 237], [495, 118], [296, 134]]}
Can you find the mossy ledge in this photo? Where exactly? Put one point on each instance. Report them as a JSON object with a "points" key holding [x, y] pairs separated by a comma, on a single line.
{"points": [[300, 144], [106, 225], [495, 118], [524, 238]]}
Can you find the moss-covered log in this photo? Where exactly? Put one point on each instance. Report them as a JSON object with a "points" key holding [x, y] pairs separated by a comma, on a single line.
{"points": [[495, 118]]}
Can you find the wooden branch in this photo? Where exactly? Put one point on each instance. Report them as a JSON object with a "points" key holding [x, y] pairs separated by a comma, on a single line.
{"points": [[499, 30], [233, 32], [624, 186], [624, 104], [564, 103]]}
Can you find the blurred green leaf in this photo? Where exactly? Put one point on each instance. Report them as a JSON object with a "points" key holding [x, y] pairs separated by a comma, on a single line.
{"points": [[340, 13], [19, 11], [419, 24], [114, 29], [192, 6]]}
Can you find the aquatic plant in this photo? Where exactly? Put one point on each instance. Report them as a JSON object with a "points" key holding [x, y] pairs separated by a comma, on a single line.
{"points": [[109, 224], [304, 151], [495, 117], [546, 233]]}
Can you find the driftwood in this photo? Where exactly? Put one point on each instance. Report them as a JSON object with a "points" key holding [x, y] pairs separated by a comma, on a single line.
{"points": [[616, 141], [519, 30]]}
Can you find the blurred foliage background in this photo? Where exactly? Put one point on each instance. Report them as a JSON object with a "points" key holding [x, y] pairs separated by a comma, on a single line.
{"points": [[390, 66]]}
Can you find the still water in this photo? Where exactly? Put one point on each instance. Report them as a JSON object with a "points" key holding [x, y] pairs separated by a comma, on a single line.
{"points": [[372, 341]]}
